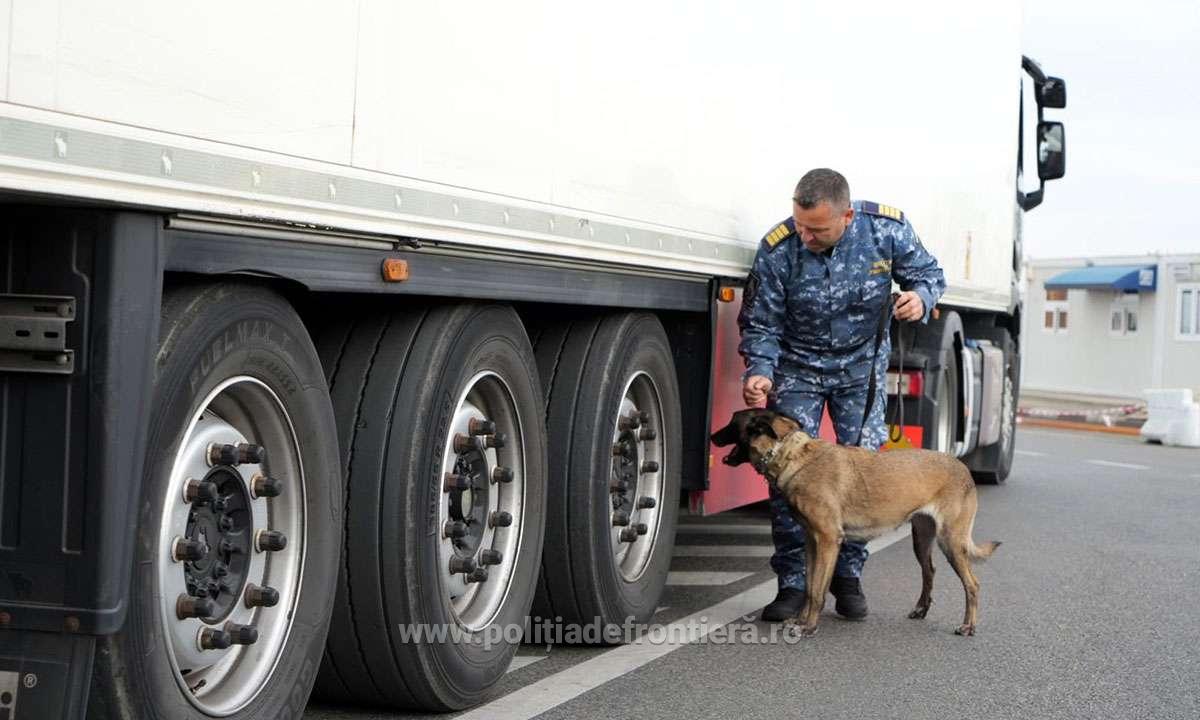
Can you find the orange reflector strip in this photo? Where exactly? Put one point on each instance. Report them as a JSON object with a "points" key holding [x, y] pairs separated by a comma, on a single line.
{"points": [[395, 270], [725, 294]]}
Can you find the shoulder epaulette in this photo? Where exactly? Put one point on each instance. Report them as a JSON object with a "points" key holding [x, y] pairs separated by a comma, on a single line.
{"points": [[778, 234], [886, 211]]}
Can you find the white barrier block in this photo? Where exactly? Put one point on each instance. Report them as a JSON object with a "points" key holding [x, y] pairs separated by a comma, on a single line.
{"points": [[1173, 418]]}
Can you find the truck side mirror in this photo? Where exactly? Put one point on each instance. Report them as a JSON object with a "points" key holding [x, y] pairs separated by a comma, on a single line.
{"points": [[1052, 151], [1053, 93]]}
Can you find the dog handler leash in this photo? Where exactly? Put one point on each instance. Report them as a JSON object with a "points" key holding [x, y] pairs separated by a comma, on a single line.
{"points": [[885, 316]]}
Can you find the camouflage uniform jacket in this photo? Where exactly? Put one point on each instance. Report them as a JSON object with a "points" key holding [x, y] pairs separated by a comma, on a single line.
{"points": [[813, 316]]}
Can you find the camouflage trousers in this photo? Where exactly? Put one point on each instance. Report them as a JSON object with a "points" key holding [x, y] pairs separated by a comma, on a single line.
{"points": [[805, 403]]}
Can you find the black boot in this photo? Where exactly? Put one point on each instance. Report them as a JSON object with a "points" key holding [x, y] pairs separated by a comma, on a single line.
{"points": [[851, 603], [787, 604]]}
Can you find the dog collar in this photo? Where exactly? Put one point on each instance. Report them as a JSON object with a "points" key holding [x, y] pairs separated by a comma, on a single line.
{"points": [[769, 456]]}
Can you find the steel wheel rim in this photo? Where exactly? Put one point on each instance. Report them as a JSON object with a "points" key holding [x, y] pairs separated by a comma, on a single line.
{"points": [[944, 439], [474, 603], [637, 477], [241, 409], [1006, 417]]}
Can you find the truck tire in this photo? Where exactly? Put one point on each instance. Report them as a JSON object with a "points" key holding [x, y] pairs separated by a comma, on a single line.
{"points": [[614, 427], [990, 465], [234, 366], [413, 393]]}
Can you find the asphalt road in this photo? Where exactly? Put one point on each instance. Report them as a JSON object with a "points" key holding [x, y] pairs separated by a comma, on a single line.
{"points": [[1088, 610]]}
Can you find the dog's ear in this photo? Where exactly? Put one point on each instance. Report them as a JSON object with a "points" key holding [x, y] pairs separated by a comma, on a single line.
{"points": [[761, 426], [784, 425], [727, 435]]}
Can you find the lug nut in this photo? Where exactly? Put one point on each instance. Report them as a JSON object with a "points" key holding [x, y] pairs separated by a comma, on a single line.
{"points": [[213, 639], [464, 444], [455, 529], [264, 486], [184, 550], [475, 426], [199, 491], [644, 417], [620, 518], [250, 454], [500, 518], [619, 484], [619, 450], [495, 440], [632, 422], [502, 475], [641, 528], [228, 548], [459, 564], [270, 541], [649, 466], [220, 570], [645, 503], [477, 575], [491, 557], [241, 634], [187, 606], [629, 535], [222, 454], [225, 523], [455, 482], [261, 596], [647, 434]]}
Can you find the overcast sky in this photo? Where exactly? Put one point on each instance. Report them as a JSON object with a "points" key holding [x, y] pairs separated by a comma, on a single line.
{"points": [[1133, 127]]}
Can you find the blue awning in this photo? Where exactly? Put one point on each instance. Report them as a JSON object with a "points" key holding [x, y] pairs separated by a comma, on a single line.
{"points": [[1106, 277]]}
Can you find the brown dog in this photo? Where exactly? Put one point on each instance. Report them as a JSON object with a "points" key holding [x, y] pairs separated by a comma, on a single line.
{"points": [[851, 492]]}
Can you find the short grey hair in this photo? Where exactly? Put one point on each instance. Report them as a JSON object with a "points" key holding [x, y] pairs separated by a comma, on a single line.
{"points": [[822, 185]]}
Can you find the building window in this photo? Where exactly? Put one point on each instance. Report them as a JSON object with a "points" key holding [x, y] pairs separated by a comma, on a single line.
{"points": [[1123, 316], [1055, 317], [1187, 307]]}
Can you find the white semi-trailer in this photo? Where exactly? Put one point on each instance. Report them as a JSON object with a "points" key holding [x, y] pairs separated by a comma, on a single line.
{"points": [[324, 322]]}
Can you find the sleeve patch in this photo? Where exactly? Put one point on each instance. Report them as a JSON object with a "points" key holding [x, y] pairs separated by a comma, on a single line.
{"points": [[886, 211]]}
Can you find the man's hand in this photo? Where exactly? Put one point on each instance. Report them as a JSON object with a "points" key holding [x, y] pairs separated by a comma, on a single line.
{"points": [[755, 389], [909, 306]]}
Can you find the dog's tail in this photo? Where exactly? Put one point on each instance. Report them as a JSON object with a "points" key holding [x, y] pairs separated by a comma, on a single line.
{"points": [[979, 553]]}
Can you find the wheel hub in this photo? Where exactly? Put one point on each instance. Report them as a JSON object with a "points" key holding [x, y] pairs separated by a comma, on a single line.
{"points": [[482, 500], [636, 477], [222, 525]]}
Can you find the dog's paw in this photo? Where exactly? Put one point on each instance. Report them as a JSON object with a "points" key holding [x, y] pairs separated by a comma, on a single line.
{"points": [[965, 630], [796, 628], [919, 613]]}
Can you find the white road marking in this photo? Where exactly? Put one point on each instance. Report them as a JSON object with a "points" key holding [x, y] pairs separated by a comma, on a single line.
{"points": [[1030, 453], [705, 578], [521, 661], [724, 550], [763, 528], [1127, 466], [566, 685]]}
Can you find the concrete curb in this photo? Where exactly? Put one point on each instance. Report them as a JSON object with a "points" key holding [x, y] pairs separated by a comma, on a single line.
{"points": [[1081, 426]]}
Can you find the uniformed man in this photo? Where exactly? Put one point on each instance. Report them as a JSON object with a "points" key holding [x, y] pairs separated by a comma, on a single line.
{"points": [[809, 319]]}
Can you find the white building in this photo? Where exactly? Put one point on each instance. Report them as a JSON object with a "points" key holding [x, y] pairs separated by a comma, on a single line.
{"points": [[1111, 327]]}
